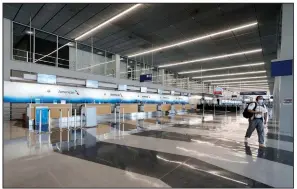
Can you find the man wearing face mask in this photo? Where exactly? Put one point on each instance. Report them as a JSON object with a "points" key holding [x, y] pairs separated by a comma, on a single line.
{"points": [[258, 120]]}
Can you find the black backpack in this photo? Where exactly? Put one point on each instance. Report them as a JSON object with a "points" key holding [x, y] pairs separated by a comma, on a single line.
{"points": [[246, 113]]}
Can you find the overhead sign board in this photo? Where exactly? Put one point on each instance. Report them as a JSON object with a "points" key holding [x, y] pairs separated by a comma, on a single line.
{"points": [[48, 79], [122, 87], [254, 93], [143, 89], [146, 78], [218, 91], [92, 84]]}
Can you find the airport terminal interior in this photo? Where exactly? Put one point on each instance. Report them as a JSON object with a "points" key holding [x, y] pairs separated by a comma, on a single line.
{"points": [[181, 95]]}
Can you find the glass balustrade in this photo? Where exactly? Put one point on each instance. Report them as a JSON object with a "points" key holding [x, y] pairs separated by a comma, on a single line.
{"points": [[40, 47]]}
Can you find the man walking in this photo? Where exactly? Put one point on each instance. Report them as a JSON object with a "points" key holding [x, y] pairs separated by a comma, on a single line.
{"points": [[258, 120]]}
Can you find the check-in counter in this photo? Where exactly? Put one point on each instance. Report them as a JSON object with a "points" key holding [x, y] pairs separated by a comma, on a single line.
{"points": [[101, 109], [188, 106], [128, 108], [150, 108], [165, 107], [178, 107], [56, 110]]}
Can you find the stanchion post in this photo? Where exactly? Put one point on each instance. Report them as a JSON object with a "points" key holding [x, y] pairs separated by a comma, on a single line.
{"points": [[115, 115], [49, 126], [40, 124], [60, 127], [75, 119], [75, 126], [120, 115], [81, 119], [60, 123], [123, 114], [49, 120], [68, 119]]}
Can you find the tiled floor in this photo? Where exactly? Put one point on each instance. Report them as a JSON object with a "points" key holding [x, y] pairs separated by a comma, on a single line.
{"points": [[167, 151]]}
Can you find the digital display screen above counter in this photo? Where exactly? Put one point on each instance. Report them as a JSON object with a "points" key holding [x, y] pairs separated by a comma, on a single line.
{"points": [[143, 89], [122, 87], [92, 84], [160, 91], [48, 79]]}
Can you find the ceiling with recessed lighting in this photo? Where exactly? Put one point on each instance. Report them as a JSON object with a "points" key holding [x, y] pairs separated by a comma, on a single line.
{"points": [[151, 26]]}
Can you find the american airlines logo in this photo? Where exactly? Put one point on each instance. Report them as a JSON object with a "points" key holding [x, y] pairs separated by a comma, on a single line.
{"points": [[120, 95], [69, 92]]}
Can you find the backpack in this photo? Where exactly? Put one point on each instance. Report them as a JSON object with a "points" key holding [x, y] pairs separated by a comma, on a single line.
{"points": [[246, 113]]}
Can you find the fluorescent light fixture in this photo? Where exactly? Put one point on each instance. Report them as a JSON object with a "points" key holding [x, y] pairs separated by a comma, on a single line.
{"points": [[232, 79], [223, 68], [224, 75], [196, 39], [107, 22], [211, 58], [253, 87], [257, 81], [29, 32], [250, 85]]}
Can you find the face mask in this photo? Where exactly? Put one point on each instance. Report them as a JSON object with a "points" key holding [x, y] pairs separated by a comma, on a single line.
{"points": [[260, 101]]}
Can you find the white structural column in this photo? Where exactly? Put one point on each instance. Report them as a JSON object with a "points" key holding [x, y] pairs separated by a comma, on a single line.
{"points": [[283, 86], [162, 73], [7, 48], [117, 66]]}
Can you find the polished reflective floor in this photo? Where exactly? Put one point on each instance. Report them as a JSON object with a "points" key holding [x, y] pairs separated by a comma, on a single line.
{"points": [[149, 151]]}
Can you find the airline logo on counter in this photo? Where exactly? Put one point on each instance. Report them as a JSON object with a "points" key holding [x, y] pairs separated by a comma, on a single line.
{"points": [[120, 94], [69, 92]]}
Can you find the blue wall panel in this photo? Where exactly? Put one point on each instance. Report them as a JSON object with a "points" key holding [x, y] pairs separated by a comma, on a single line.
{"points": [[281, 68]]}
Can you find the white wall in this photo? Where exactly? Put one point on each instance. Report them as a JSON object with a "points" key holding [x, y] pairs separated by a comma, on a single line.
{"points": [[283, 85]]}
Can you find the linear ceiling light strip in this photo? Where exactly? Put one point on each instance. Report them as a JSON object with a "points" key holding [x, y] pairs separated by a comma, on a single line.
{"points": [[226, 75], [196, 39], [243, 82], [262, 85], [223, 68], [211, 58], [232, 79], [107, 22]]}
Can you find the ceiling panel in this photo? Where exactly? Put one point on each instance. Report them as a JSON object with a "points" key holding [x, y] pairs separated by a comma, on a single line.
{"points": [[63, 16], [27, 11], [10, 10], [159, 24]]}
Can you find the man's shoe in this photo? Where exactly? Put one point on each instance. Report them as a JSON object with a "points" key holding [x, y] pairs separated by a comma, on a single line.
{"points": [[262, 145]]}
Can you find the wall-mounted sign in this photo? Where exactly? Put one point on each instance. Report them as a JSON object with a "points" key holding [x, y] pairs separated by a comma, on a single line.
{"points": [[160, 91], [254, 93], [288, 101], [122, 87], [172, 92], [143, 89], [92, 84], [48, 79], [184, 94], [146, 77], [218, 91], [233, 96]]}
